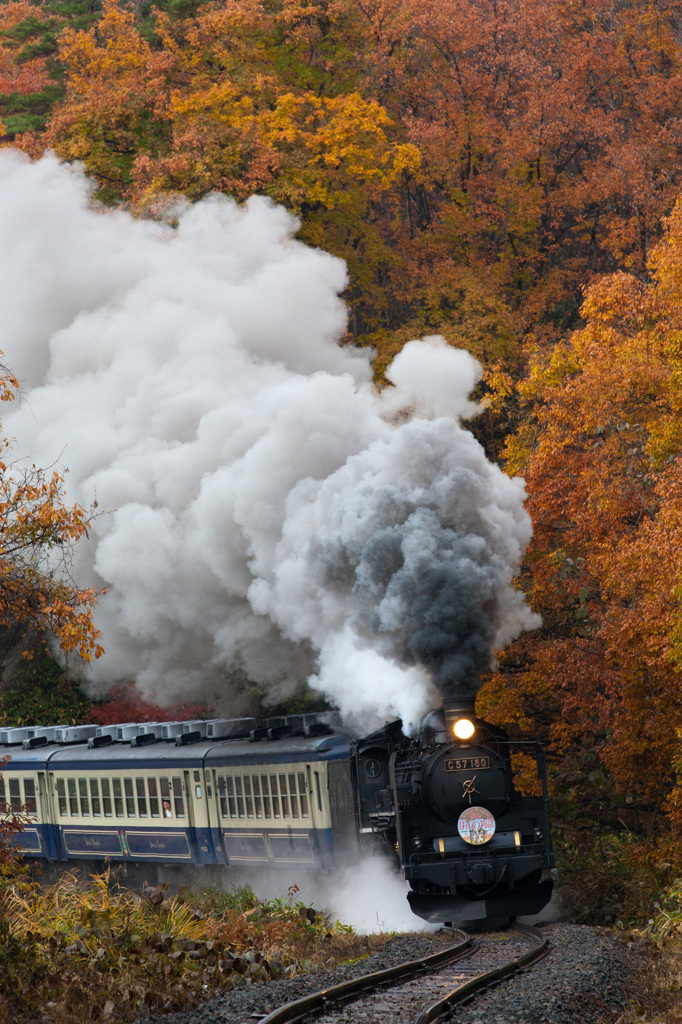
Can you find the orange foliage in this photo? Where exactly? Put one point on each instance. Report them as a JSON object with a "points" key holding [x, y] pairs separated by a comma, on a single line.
{"points": [[205, 112], [25, 76], [124, 703], [475, 162], [549, 139], [602, 456], [37, 531], [115, 88], [213, 106]]}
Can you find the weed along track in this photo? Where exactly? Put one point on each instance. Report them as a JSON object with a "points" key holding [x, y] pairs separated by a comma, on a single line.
{"points": [[419, 991]]}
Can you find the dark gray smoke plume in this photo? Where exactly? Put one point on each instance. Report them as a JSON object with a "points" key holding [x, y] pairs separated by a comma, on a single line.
{"points": [[409, 552], [264, 506], [427, 585]]}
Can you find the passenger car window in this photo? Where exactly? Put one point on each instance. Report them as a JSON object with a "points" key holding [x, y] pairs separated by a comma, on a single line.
{"points": [[303, 795], [222, 793], [230, 797], [153, 797], [118, 797], [247, 796], [130, 799], [275, 797], [30, 802], [178, 798], [85, 803], [283, 795], [106, 798], [256, 796], [166, 798], [94, 795], [240, 795], [73, 799], [14, 796], [61, 796], [266, 795], [293, 795]]}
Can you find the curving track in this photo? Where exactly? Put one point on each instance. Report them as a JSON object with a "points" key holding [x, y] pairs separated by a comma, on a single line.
{"points": [[421, 991]]}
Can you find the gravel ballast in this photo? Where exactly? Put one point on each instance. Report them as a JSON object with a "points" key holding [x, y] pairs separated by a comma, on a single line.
{"points": [[587, 976]]}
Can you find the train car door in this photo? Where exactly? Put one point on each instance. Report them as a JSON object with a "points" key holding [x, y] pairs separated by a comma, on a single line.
{"points": [[201, 802], [53, 798], [320, 835], [46, 817], [213, 813], [313, 803], [191, 825]]}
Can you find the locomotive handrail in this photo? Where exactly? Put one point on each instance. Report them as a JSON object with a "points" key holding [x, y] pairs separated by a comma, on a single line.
{"points": [[459, 995], [307, 1004]]}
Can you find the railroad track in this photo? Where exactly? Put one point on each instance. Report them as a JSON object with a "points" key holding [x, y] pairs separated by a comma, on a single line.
{"points": [[420, 991]]}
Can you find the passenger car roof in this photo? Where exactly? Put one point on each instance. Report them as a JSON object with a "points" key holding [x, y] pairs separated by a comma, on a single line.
{"points": [[79, 757]]}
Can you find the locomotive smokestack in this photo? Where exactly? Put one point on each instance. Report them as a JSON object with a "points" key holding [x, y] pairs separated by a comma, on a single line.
{"points": [[462, 707]]}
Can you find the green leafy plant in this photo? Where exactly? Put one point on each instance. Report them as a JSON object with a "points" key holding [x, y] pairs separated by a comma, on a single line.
{"points": [[41, 693]]}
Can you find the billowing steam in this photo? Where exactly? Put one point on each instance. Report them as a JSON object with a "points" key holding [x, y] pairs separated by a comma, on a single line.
{"points": [[263, 507]]}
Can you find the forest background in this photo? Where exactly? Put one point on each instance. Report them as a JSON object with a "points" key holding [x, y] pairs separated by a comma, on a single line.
{"points": [[504, 173]]}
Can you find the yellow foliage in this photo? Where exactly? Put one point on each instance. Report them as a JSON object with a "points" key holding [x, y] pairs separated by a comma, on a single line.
{"points": [[71, 902]]}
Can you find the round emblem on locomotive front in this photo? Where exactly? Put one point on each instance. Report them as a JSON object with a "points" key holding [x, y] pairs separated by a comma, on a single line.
{"points": [[476, 825]]}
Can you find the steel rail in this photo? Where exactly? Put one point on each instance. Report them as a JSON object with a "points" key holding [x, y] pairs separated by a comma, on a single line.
{"points": [[483, 981], [300, 1008]]}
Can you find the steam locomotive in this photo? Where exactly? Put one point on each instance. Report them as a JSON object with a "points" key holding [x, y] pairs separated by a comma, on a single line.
{"points": [[470, 844], [296, 791]]}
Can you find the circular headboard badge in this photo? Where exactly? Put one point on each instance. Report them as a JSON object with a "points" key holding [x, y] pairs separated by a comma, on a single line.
{"points": [[476, 825]]}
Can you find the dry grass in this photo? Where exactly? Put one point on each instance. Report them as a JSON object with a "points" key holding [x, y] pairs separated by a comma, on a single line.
{"points": [[658, 997], [615, 878], [85, 950]]}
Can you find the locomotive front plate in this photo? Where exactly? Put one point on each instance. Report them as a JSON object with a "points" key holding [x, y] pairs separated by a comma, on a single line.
{"points": [[466, 764]]}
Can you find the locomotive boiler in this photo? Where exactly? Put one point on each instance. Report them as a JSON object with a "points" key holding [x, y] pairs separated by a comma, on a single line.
{"points": [[471, 844]]}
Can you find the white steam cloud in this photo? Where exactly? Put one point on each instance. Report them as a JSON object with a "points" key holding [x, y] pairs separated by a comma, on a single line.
{"points": [[263, 506], [369, 895]]}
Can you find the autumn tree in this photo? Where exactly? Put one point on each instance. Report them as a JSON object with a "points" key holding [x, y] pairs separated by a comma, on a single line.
{"points": [[213, 105], [114, 98], [125, 703], [550, 143], [31, 81], [24, 76], [602, 455], [37, 534], [475, 163]]}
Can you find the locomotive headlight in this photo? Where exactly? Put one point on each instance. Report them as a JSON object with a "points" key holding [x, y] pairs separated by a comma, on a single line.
{"points": [[463, 729]]}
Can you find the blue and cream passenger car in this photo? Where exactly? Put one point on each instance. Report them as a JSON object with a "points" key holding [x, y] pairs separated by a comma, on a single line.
{"points": [[173, 795]]}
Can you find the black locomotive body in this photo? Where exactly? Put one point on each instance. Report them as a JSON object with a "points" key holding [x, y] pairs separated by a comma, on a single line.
{"points": [[470, 844]]}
